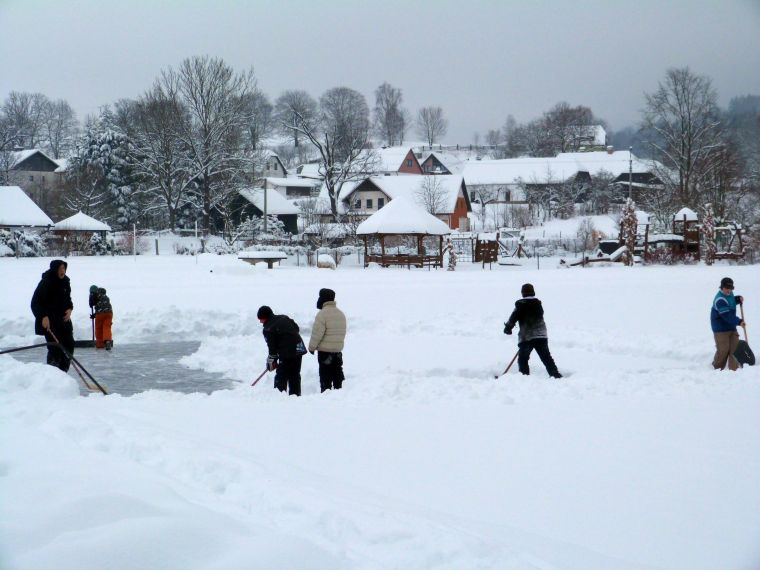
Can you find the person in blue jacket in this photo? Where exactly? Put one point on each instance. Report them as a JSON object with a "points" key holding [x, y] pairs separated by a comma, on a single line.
{"points": [[724, 321]]}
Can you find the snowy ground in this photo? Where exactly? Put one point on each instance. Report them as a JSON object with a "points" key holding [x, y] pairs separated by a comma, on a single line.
{"points": [[643, 457]]}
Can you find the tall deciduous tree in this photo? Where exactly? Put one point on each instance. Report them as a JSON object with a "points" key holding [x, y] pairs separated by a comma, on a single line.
{"points": [[25, 112], [389, 116], [431, 124], [163, 160], [686, 134], [295, 106], [59, 128], [214, 96], [339, 131]]}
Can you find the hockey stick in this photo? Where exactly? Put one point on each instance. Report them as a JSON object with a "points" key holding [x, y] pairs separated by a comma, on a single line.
{"points": [[77, 367], [511, 362], [260, 376]]}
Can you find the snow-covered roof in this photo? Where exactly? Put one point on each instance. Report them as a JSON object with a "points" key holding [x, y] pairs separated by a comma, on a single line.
{"points": [[82, 223], [63, 164], [18, 209], [642, 218], [292, 181], [309, 170], [19, 156], [559, 168], [389, 159], [516, 170], [452, 162], [403, 216], [410, 186], [689, 214], [277, 205]]}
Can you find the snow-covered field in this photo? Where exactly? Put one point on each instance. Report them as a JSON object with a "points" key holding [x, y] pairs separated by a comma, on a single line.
{"points": [[642, 457]]}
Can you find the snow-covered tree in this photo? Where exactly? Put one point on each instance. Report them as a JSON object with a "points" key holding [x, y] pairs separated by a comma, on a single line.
{"points": [[629, 229], [215, 98], [59, 128], [162, 159], [708, 233], [100, 178]]}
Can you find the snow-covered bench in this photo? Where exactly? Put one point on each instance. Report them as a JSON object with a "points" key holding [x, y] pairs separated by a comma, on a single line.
{"points": [[268, 257]]}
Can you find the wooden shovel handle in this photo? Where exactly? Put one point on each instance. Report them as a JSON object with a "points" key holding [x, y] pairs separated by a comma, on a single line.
{"points": [[741, 309]]}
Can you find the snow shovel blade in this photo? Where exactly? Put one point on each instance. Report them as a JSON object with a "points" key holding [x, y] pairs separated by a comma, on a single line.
{"points": [[744, 354], [84, 343]]}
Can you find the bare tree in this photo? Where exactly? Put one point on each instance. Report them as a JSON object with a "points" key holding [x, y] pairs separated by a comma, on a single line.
{"points": [[259, 120], [569, 128], [431, 124], [494, 138], [389, 115], [686, 133], [586, 234], [431, 195], [25, 113], [214, 96], [59, 127], [340, 133], [295, 106]]}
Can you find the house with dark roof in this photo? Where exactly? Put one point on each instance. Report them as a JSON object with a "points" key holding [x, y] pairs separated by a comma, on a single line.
{"points": [[34, 172]]}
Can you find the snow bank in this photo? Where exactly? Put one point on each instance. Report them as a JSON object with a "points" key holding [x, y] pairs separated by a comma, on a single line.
{"points": [[641, 458]]}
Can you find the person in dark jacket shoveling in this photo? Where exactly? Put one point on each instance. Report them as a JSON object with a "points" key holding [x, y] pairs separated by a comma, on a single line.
{"points": [[724, 321], [286, 349], [52, 306], [530, 314]]}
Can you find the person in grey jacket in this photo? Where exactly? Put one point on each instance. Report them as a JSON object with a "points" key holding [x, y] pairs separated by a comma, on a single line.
{"points": [[328, 334], [530, 314]]}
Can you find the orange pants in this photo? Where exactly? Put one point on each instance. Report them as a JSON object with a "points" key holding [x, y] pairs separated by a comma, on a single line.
{"points": [[103, 328]]}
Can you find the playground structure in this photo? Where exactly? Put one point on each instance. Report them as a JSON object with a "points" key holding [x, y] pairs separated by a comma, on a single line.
{"points": [[683, 243]]}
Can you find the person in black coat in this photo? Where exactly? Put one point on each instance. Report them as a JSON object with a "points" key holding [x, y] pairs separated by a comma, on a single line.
{"points": [[52, 306], [286, 349], [530, 314]]}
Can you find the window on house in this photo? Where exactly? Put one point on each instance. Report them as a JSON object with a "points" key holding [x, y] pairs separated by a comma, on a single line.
{"points": [[380, 203], [358, 205], [31, 178], [409, 162], [369, 203], [274, 166]]}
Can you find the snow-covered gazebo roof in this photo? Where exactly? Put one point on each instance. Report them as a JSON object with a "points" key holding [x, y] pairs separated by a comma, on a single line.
{"points": [[81, 222], [689, 214], [17, 209], [402, 216]]}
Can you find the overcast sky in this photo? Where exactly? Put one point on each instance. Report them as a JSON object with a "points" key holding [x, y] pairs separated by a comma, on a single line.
{"points": [[480, 60]]}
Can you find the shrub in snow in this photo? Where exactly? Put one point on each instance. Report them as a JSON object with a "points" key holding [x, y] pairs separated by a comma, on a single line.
{"points": [[186, 248], [98, 245], [587, 234], [629, 227], [708, 232], [325, 261], [30, 244]]}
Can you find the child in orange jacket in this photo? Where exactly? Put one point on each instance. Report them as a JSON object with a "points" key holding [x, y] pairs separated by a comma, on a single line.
{"points": [[103, 315]]}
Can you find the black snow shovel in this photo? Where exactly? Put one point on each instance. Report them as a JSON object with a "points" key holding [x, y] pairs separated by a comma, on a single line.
{"points": [[87, 343], [743, 352]]}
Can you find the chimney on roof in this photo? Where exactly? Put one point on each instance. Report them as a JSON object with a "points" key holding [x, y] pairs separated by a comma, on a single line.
{"points": [[610, 149]]}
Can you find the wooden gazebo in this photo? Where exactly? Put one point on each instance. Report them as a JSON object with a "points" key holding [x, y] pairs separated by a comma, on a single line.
{"points": [[403, 218], [75, 231]]}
